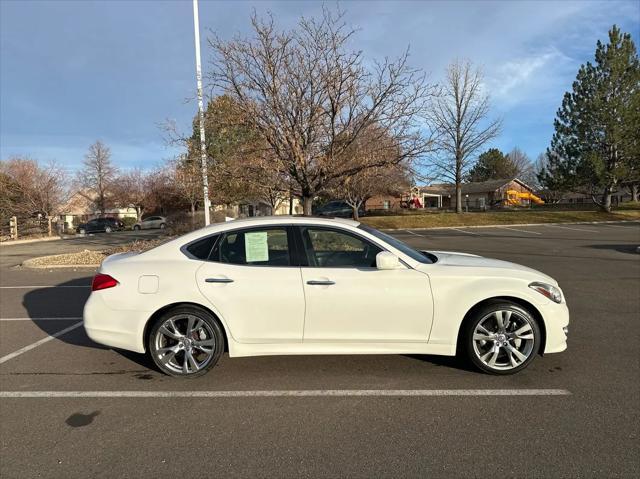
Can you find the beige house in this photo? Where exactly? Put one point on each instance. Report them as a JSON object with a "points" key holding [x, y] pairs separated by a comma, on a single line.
{"points": [[80, 208], [263, 208]]}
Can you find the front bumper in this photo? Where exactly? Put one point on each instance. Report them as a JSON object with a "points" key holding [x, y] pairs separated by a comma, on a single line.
{"points": [[556, 321], [114, 328]]}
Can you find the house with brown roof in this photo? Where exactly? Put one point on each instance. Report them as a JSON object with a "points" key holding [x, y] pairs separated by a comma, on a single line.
{"points": [[478, 195]]}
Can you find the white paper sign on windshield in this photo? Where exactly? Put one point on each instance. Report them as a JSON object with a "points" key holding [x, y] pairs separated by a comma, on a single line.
{"points": [[256, 246]]}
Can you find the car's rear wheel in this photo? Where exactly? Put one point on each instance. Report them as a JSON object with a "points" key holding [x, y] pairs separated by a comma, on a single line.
{"points": [[163, 226], [186, 342], [136, 227], [82, 231], [107, 229], [502, 338]]}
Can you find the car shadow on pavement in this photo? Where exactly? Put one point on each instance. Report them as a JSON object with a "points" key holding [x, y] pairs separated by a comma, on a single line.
{"points": [[67, 300], [452, 362], [621, 248]]}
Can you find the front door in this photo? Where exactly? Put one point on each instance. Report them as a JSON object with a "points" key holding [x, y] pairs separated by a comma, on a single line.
{"points": [[252, 281], [349, 299]]}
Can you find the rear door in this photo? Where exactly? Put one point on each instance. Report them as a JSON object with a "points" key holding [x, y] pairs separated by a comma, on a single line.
{"points": [[252, 280], [349, 299]]}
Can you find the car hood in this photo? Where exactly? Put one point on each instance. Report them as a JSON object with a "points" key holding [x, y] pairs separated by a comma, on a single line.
{"points": [[449, 258]]}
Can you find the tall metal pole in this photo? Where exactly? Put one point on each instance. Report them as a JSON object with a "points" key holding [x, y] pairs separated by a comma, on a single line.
{"points": [[203, 145]]}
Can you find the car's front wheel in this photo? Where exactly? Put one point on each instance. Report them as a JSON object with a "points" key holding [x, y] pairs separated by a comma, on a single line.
{"points": [[186, 342], [136, 227], [107, 229], [502, 338]]}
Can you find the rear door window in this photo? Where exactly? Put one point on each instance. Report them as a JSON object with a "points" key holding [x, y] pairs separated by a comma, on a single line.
{"points": [[254, 247], [202, 248]]}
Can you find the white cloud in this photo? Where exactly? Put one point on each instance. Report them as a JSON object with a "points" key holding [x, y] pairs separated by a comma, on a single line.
{"points": [[531, 78]]}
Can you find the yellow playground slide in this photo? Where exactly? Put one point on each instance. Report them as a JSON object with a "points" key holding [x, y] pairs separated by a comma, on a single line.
{"points": [[514, 198]]}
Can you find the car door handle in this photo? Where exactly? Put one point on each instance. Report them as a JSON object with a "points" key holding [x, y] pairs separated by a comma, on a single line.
{"points": [[316, 282], [218, 280]]}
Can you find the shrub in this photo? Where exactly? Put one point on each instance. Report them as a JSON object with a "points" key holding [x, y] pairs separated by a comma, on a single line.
{"points": [[129, 221]]}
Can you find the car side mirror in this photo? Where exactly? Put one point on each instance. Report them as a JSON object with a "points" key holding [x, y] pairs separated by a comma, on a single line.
{"points": [[387, 260]]}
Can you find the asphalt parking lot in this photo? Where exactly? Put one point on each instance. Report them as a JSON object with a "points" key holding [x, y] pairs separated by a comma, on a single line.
{"points": [[136, 422]]}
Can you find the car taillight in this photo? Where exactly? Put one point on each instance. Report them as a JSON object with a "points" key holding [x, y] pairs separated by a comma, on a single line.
{"points": [[103, 281]]}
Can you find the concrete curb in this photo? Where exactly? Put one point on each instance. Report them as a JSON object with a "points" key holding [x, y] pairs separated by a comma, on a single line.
{"points": [[29, 264], [34, 240], [511, 224]]}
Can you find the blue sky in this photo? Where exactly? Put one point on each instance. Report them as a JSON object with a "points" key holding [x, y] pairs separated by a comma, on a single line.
{"points": [[72, 72]]}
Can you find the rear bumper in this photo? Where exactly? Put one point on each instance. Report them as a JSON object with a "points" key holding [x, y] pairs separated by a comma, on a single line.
{"points": [[556, 320], [114, 328]]}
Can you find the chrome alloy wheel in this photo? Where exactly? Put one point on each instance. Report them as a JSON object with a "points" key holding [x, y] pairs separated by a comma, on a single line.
{"points": [[503, 339], [185, 344]]}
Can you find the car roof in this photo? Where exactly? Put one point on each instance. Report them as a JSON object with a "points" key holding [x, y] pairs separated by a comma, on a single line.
{"points": [[288, 219]]}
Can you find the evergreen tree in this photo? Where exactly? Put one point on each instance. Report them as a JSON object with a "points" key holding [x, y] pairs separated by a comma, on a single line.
{"points": [[596, 126], [492, 165]]}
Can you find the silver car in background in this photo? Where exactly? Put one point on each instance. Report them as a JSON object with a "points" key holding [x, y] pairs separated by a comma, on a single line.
{"points": [[151, 222]]}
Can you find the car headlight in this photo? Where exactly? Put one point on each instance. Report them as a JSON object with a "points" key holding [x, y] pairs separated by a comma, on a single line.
{"points": [[550, 291]]}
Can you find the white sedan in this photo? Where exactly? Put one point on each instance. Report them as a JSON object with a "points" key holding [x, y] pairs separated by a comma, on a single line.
{"points": [[298, 285]]}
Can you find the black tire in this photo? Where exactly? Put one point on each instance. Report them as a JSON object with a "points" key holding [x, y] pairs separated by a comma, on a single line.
{"points": [[82, 231], [506, 361], [174, 365], [163, 226], [107, 229], [136, 227]]}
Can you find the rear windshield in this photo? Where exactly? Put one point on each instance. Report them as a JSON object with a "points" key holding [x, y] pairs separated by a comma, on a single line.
{"points": [[399, 245]]}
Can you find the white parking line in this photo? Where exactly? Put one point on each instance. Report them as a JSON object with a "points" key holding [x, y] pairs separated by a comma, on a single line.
{"points": [[20, 351], [463, 231], [573, 229], [67, 318], [41, 287], [286, 393], [516, 229], [415, 234]]}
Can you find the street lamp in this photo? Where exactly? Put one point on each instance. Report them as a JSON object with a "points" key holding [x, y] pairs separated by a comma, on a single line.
{"points": [[203, 145]]}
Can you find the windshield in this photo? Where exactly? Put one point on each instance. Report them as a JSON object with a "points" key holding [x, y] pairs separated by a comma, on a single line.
{"points": [[397, 244]]}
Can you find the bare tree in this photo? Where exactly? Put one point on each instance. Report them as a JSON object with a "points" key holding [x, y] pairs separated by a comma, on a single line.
{"points": [[392, 178], [459, 118], [132, 189], [38, 188], [309, 96], [522, 166], [97, 176], [187, 178]]}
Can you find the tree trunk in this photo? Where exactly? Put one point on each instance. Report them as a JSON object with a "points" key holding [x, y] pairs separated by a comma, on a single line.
{"points": [[139, 213], [635, 192], [290, 202], [458, 197], [193, 215], [606, 200], [49, 224], [355, 212], [307, 204]]}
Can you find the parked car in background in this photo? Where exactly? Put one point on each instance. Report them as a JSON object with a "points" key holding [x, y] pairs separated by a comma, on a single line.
{"points": [[151, 222], [337, 209], [301, 285], [98, 225]]}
